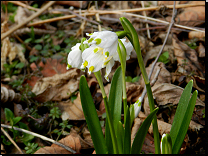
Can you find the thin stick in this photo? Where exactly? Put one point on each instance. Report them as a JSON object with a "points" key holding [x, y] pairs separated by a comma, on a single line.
{"points": [[8, 136], [166, 38], [102, 13], [157, 20], [153, 65], [147, 9], [57, 19], [147, 25], [4, 35], [72, 12], [40, 136], [23, 5]]}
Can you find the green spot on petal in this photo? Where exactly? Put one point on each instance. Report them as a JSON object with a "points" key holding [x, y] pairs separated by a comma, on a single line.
{"points": [[85, 63], [90, 40], [107, 53], [90, 34], [105, 63], [69, 66], [95, 50], [91, 68], [98, 41]]}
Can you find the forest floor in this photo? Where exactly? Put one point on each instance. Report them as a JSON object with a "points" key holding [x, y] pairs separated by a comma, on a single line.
{"points": [[38, 93]]}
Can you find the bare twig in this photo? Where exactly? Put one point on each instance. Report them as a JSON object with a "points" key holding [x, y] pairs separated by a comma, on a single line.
{"points": [[109, 12], [157, 20], [153, 65], [72, 12], [146, 9], [40, 136], [24, 5], [4, 35], [147, 26], [171, 24], [8, 136]]}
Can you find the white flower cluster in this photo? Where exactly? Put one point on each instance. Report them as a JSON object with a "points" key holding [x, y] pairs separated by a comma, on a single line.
{"points": [[102, 52]]}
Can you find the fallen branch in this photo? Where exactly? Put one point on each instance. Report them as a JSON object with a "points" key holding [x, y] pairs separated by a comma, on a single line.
{"points": [[40, 136], [4, 35]]}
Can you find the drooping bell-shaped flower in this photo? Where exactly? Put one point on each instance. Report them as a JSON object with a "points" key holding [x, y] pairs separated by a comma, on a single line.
{"points": [[93, 59], [75, 57], [128, 47], [107, 40], [137, 107]]}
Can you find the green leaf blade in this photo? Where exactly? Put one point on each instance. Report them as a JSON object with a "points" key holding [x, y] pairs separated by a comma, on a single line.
{"points": [[115, 103], [184, 124], [140, 136], [92, 117], [127, 134], [180, 113]]}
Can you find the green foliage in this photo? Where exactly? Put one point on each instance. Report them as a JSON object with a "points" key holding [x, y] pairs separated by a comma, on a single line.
{"points": [[115, 103], [164, 57], [13, 69], [203, 111], [92, 117], [130, 79], [182, 117], [16, 134], [192, 43], [11, 8], [31, 148], [142, 132], [55, 112]]}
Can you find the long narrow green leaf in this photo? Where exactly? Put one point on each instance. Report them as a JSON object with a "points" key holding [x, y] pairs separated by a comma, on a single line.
{"points": [[127, 134], [120, 137], [142, 132], [184, 124], [92, 117], [115, 103], [180, 112]]}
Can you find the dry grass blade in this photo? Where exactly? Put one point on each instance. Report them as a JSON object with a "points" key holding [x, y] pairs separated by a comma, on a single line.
{"points": [[4, 35], [8, 136], [23, 5], [40, 136]]}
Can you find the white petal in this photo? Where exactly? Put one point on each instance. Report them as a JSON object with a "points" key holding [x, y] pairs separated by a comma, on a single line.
{"points": [[75, 56], [108, 68]]}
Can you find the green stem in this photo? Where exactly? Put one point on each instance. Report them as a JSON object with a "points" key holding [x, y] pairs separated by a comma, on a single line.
{"points": [[122, 56], [135, 42], [154, 121], [108, 114]]}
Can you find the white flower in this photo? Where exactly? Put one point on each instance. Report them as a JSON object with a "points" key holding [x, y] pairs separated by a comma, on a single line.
{"points": [[137, 107], [75, 57], [128, 47], [107, 40], [93, 59]]}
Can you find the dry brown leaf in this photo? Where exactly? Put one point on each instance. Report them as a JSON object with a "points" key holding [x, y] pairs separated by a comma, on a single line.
{"points": [[197, 34], [133, 92], [201, 50], [151, 54], [22, 14], [71, 141], [192, 16], [184, 52], [163, 77], [165, 93], [73, 3], [71, 111], [10, 49], [57, 87]]}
